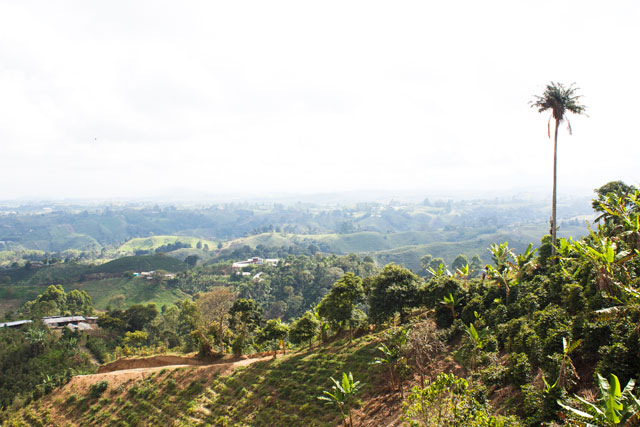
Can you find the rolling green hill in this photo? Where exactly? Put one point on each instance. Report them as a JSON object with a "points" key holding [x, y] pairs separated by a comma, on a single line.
{"points": [[408, 247], [136, 291], [154, 242], [141, 263]]}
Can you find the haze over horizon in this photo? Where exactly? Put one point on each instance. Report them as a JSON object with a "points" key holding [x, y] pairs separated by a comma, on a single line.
{"points": [[121, 100]]}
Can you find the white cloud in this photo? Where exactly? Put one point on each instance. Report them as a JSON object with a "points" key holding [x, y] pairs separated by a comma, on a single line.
{"points": [[309, 97]]}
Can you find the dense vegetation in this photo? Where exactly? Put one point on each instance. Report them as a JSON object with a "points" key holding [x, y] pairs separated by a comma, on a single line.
{"points": [[530, 329]]}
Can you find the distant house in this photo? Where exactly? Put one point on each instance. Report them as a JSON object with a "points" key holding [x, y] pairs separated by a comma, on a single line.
{"points": [[56, 322], [254, 261], [15, 323]]}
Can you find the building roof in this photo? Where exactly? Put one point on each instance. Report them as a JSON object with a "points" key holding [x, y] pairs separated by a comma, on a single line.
{"points": [[15, 323], [69, 319]]}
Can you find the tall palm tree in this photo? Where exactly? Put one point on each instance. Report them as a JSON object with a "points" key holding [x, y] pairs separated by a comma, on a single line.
{"points": [[560, 100]]}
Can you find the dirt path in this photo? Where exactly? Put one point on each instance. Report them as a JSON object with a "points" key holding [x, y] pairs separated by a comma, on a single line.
{"points": [[81, 383]]}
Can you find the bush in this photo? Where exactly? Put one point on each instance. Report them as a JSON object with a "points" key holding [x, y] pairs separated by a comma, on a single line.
{"points": [[98, 348], [519, 369], [450, 401], [615, 359], [96, 390]]}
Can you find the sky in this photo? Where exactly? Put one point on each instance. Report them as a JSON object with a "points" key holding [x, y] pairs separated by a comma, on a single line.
{"points": [[126, 99]]}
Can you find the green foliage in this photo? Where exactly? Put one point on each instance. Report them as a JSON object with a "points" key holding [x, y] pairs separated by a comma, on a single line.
{"points": [[97, 389], [614, 406], [450, 401], [142, 263], [394, 290], [273, 332], [34, 361], [136, 338], [55, 301], [304, 329], [342, 395], [393, 357], [339, 304]]}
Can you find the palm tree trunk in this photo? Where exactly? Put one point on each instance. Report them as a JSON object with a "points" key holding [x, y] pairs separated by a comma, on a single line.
{"points": [[553, 202]]}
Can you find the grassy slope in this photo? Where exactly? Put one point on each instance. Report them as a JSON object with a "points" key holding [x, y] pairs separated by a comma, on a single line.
{"points": [[136, 291], [281, 392], [153, 242], [141, 263]]}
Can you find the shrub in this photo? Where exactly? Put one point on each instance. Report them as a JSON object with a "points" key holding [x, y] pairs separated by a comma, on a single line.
{"points": [[518, 369], [449, 401], [96, 390]]}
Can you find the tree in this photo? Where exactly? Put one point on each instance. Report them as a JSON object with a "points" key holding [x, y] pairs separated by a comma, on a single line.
{"points": [[393, 357], [437, 262], [79, 303], [339, 304], [138, 316], [425, 262], [424, 345], [118, 301], [304, 329], [394, 290], [460, 261], [274, 331], [191, 260], [214, 308], [248, 312], [560, 100]]}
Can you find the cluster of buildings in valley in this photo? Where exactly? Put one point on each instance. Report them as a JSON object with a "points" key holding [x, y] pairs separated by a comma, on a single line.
{"points": [[149, 275], [74, 323], [238, 266], [254, 261]]}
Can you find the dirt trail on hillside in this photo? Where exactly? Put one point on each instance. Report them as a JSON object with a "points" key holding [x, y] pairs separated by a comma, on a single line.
{"points": [[148, 362], [81, 383]]}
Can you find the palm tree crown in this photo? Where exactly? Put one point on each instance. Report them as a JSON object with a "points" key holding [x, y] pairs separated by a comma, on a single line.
{"points": [[559, 99]]}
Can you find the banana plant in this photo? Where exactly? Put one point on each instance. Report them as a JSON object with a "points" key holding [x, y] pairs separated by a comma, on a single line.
{"points": [[566, 365], [450, 303], [342, 395], [548, 388], [523, 262], [324, 324], [392, 357], [477, 339], [509, 267], [614, 407], [440, 272], [463, 272]]}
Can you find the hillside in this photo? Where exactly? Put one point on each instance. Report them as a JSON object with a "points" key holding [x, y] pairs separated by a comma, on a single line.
{"points": [[408, 247], [141, 263], [271, 392], [130, 247], [101, 282]]}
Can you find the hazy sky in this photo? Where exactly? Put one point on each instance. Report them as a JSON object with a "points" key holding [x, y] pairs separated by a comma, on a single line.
{"points": [[132, 98]]}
